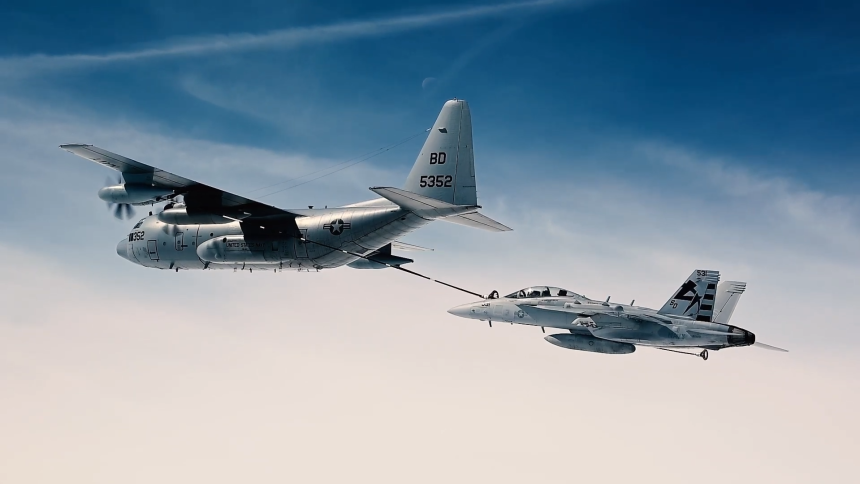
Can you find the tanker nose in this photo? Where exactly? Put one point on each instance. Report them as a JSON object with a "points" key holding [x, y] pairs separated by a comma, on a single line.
{"points": [[463, 311], [122, 249]]}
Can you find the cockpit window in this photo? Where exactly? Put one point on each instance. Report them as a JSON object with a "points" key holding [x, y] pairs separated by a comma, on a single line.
{"points": [[542, 291], [139, 223]]}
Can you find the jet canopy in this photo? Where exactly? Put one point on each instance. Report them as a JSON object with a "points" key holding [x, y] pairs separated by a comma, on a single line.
{"points": [[542, 291]]}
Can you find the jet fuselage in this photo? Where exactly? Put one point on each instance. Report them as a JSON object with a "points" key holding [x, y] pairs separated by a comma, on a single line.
{"points": [[608, 321]]}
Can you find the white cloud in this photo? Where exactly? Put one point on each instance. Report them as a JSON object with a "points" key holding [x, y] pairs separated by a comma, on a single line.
{"points": [[281, 39], [791, 206], [34, 133], [138, 374], [117, 373]]}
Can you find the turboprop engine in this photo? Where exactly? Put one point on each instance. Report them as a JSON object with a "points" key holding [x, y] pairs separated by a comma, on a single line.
{"points": [[180, 215], [132, 194], [589, 343]]}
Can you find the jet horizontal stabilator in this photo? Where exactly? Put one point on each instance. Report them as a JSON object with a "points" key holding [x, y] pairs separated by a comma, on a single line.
{"points": [[203, 227], [693, 321]]}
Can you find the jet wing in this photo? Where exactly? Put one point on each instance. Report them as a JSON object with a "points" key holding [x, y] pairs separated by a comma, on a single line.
{"points": [[196, 196], [528, 308], [549, 315], [593, 311]]}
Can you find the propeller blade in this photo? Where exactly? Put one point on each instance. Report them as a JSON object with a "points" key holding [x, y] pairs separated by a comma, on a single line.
{"points": [[769, 347], [122, 211]]}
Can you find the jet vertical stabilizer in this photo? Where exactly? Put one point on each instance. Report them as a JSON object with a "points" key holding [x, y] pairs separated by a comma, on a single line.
{"points": [[695, 298], [728, 295]]}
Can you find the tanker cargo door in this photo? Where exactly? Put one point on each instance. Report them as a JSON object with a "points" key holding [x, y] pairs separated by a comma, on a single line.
{"points": [[301, 246], [152, 248]]}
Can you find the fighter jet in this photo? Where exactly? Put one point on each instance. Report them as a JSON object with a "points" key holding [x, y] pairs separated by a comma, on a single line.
{"points": [[202, 227], [695, 317]]}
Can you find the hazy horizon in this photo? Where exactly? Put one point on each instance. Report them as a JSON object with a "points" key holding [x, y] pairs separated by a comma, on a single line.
{"points": [[627, 143]]}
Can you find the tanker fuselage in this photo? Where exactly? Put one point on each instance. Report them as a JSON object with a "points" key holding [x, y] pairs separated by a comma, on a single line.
{"points": [[361, 228]]}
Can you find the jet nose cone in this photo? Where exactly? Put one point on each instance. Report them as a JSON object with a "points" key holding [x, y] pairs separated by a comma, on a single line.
{"points": [[463, 311]]}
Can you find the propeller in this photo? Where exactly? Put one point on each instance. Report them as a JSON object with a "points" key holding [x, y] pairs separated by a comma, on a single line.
{"points": [[121, 211], [769, 347]]}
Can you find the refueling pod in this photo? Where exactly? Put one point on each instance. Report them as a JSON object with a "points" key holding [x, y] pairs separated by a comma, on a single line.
{"points": [[234, 248], [589, 343]]}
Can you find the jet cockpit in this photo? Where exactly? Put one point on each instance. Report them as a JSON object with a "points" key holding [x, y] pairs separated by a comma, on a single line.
{"points": [[543, 291]]}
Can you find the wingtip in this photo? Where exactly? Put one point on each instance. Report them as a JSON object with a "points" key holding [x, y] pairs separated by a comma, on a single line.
{"points": [[68, 146]]}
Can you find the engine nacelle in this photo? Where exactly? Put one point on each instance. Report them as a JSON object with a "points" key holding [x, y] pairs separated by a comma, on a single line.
{"points": [[589, 343], [180, 216], [235, 249], [130, 193]]}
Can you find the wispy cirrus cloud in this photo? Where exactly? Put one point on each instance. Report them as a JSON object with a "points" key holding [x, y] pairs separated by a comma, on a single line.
{"points": [[293, 37]]}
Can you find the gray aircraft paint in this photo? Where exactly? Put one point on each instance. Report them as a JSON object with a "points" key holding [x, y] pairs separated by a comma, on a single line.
{"points": [[604, 327], [213, 229]]}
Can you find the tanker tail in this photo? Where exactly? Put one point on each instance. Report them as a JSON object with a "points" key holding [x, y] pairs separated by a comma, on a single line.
{"points": [[441, 185]]}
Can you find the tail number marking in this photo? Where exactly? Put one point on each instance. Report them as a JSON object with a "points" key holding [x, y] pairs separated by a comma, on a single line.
{"points": [[435, 181], [438, 158]]}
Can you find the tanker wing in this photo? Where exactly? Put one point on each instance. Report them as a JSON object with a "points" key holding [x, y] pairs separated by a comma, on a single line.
{"points": [[198, 197]]}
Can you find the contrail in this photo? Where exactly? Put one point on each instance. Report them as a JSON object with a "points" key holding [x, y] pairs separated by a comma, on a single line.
{"points": [[22, 66]]}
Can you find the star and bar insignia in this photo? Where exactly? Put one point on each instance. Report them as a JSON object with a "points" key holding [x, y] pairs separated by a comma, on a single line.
{"points": [[336, 227]]}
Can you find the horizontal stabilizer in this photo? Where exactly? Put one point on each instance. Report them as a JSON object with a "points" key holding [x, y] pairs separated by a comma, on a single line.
{"points": [[769, 347], [479, 221], [426, 207], [409, 247], [711, 332]]}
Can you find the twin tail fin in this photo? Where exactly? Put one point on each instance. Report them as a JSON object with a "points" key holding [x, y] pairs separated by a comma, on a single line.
{"points": [[695, 298]]}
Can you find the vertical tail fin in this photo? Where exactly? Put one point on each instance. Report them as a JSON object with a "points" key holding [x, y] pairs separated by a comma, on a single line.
{"points": [[445, 168], [695, 297], [728, 295]]}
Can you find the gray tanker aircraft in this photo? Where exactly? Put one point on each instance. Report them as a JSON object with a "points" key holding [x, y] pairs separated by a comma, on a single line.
{"points": [[202, 227], [696, 316]]}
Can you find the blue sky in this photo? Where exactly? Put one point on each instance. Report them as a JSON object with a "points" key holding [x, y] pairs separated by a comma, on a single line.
{"points": [[626, 142], [774, 83]]}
